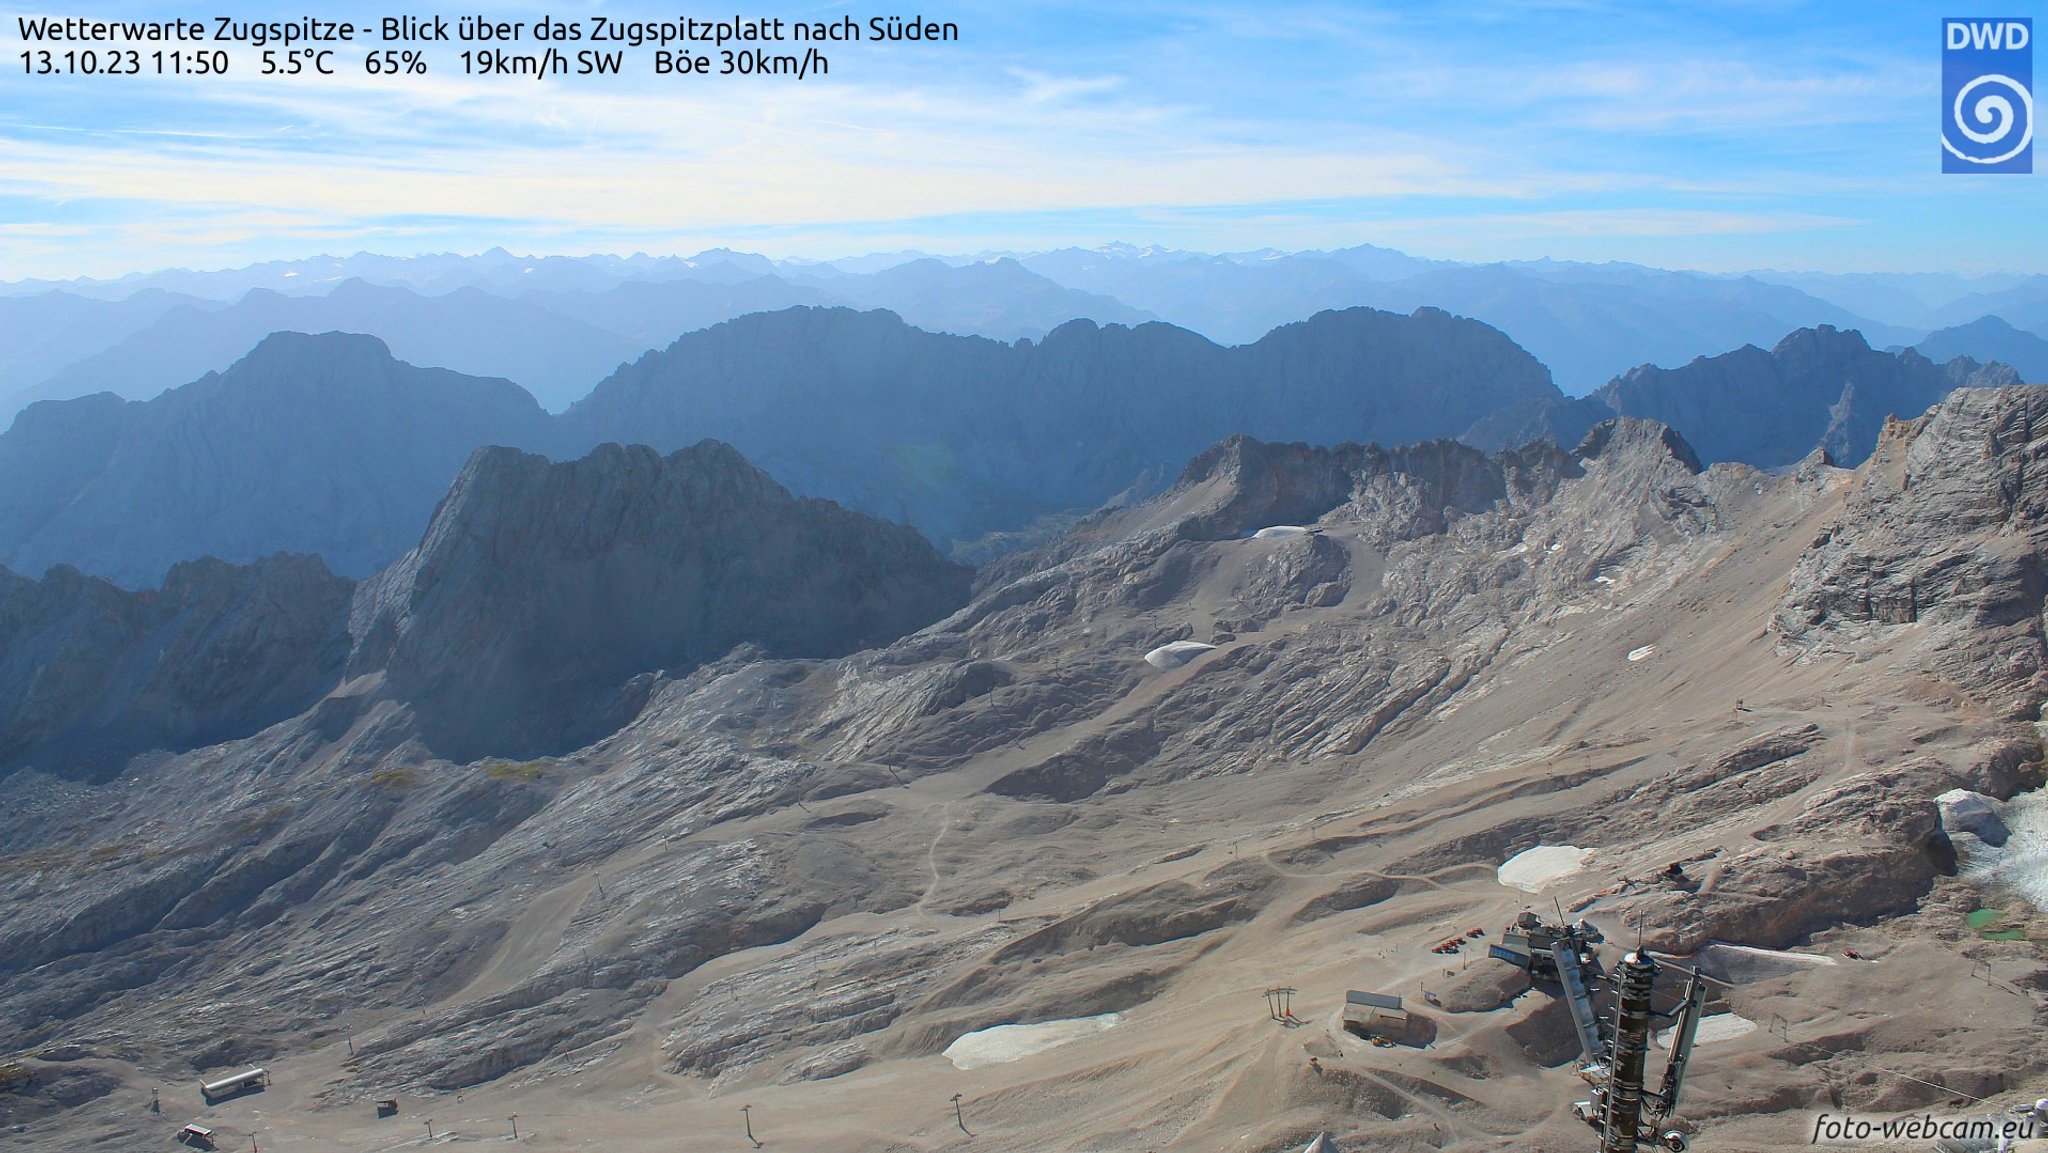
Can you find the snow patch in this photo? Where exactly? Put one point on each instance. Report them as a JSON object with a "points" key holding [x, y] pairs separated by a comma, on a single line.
{"points": [[1719, 1027], [1642, 653], [1532, 870], [1280, 532], [1000, 1044], [1726, 962], [1173, 656]]}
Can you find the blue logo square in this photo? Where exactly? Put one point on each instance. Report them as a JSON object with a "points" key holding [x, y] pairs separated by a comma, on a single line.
{"points": [[1987, 94]]}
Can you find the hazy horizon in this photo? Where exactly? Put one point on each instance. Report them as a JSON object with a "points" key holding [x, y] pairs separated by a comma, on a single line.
{"points": [[881, 259]]}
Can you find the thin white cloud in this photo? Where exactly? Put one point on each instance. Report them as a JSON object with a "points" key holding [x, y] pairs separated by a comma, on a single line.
{"points": [[1042, 89]]}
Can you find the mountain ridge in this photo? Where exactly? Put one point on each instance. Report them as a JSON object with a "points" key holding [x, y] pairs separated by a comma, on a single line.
{"points": [[1586, 322], [959, 435]]}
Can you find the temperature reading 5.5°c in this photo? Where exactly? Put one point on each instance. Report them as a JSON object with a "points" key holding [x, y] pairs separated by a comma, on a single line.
{"points": [[297, 60]]}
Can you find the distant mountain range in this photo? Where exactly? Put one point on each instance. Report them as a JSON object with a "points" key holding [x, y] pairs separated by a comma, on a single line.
{"points": [[1588, 323], [1817, 388], [963, 436], [309, 444], [556, 325], [1990, 338], [329, 445], [554, 356]]}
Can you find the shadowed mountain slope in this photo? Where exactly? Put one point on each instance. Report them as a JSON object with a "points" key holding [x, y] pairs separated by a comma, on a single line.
{"points": [[311, 444], [91, 674], [962, 436], [540, 590], [1817, 388]]}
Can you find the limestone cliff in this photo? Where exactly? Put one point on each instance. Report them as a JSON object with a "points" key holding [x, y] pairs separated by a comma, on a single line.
{"points": [[541, 589]]}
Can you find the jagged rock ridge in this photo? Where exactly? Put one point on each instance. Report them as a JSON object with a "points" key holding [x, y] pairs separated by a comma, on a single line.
{"points": [[1817, 388], [1941, 537], [91, 674], [539, 589]]}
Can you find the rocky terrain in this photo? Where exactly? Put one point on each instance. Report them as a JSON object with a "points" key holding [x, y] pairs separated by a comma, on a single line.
{"points": [[794, 877]]}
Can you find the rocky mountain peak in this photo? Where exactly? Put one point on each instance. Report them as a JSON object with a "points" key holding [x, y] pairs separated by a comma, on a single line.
{"points": [[1821, 341], [540, 589], [1645, 442]]}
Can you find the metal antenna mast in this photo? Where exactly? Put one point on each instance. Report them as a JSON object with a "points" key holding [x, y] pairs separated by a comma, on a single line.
{"points": [[1624, 1099], [1620, 1105]]}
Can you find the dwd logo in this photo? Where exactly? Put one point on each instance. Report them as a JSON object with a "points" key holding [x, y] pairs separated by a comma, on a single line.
{"points": [[1987, 99]]}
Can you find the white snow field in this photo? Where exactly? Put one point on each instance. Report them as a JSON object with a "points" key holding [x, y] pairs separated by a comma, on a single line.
{"points": [[1173, 656], [1533, 870], [1000, 1044]]}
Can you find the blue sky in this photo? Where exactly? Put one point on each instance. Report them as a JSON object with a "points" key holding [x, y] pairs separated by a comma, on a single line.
{"points": [[1721, 137]]}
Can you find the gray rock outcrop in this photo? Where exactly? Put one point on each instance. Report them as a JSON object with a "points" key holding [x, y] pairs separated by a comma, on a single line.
{"points": [[1963, 811], [540, 590], [91, 674], [1939, 542]]}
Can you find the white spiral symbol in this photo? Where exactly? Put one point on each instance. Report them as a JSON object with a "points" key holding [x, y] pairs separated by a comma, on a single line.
{"points": [[1997, 110]]}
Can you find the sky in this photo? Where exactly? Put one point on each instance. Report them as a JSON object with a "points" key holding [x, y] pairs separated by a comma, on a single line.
{"points": [[1718, 137]]}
